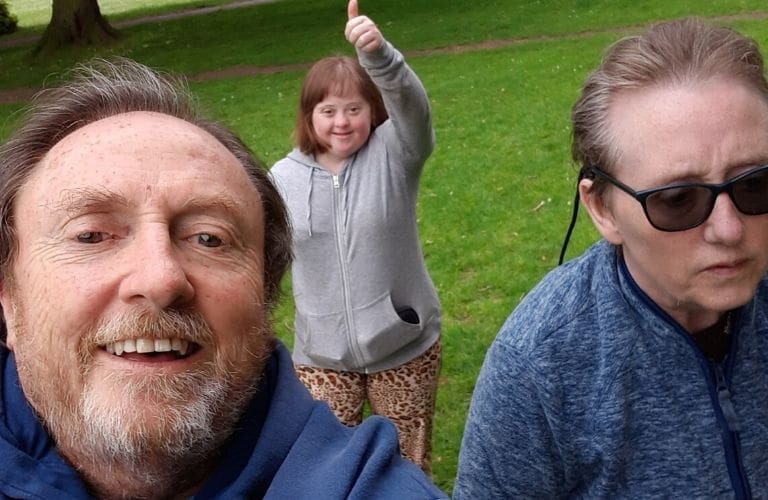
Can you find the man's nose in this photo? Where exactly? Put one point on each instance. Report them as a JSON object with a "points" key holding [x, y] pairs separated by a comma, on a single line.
{"points": [[156, 276]]}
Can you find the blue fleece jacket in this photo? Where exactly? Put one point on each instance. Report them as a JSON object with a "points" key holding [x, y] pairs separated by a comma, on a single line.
{"points": [[286, 446], [590, 390]]}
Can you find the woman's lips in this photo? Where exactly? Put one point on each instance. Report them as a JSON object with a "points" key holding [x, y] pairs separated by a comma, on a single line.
{"points": [[727, 267]]}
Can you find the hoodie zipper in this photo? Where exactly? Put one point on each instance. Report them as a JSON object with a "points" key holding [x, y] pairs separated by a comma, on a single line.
{"points": [[341, 253]]}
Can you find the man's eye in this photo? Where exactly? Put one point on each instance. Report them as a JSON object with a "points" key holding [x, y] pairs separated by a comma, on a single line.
{"points": [[209, 240], [91, 237]]}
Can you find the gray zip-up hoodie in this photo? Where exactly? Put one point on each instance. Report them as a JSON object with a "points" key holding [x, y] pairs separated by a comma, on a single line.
{"points": [[358, 273]]}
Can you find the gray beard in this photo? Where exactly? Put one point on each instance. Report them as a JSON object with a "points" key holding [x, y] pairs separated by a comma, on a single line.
{"points": [[155, 435], [198, 414], [122, 454]]}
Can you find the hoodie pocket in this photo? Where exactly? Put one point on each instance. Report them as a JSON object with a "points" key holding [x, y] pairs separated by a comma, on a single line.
{"points": [[326, 339], [383, 330], [379, 331]]}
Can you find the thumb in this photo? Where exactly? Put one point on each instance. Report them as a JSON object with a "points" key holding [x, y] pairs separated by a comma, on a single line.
{"points": [[351, 9]]}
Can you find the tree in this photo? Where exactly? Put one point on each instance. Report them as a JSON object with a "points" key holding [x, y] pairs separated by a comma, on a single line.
{"points": [[76, 22], [7, 20]]}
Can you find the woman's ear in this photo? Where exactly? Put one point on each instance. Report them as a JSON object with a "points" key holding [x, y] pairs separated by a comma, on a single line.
{"points": [[601, 214]]}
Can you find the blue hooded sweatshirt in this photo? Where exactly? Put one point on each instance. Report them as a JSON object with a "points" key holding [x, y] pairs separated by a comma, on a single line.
{"points": [[286, 446]]}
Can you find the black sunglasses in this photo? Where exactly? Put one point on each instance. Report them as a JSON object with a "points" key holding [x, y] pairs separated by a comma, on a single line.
{"points": [[680, 207]]}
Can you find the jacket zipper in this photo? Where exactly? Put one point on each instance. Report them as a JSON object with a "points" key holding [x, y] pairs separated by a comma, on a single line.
{"points": [[730, 427], [720, 394], [340, 251]]}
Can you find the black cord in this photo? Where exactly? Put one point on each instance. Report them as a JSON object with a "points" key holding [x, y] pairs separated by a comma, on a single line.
{"points": [[584, 172], [574, 215]]}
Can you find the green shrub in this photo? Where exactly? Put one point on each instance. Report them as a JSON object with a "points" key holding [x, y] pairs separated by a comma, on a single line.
{"points": [[7, 20]]}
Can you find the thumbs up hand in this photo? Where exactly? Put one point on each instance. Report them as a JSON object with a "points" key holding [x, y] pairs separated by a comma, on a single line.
{"points": [[361, 31]]}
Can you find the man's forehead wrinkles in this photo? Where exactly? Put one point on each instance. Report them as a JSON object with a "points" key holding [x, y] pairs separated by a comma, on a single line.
{"points": [[74, 201]]}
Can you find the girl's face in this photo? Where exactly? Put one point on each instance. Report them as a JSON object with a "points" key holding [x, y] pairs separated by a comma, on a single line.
{"points": [[342, 124]]}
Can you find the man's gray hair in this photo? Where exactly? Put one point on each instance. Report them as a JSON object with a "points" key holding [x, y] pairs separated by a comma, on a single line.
{"points": [[104, 88]]}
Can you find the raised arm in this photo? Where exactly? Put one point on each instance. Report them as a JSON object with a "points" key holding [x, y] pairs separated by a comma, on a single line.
{"points": [[411, 133], [361, 31]]}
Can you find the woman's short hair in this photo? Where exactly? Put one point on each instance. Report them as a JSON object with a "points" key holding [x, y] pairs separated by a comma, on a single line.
{"points": [[337, 75], [679, 52]]}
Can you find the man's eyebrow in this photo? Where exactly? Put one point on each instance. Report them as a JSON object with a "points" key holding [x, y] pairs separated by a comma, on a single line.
{"points": [[221, 203], [78, 200]]}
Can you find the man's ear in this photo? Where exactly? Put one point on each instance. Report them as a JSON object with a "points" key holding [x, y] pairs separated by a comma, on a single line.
{"points": [[600, 213], [8, 313]]}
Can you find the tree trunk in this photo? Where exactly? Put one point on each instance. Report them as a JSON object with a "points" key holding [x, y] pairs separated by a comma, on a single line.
{"points": [[76, 22]]}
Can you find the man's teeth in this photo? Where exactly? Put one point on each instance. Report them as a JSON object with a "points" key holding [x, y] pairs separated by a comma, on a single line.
{"points": [[145, 346]]}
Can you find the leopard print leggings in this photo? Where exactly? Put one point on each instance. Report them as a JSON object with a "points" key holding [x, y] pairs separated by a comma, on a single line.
{"points": [[406, 395]]}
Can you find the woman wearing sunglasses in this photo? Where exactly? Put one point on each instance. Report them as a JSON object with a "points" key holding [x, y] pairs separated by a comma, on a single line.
{"points": [[640, 369]]}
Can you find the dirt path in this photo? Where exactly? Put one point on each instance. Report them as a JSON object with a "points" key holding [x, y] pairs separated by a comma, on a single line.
{"points": [[196, 11], [24, 94]]}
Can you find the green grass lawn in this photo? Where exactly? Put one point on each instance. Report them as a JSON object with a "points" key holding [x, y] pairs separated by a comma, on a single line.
{"points": [[496, 195]]}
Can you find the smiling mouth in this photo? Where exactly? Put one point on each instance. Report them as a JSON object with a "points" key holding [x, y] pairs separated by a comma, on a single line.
{"points": [[177, 347]]}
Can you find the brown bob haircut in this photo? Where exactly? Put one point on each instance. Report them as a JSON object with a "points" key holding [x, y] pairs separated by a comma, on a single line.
{"points": [[337, 75]]}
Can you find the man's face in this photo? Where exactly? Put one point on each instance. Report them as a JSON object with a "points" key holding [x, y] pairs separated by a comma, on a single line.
{"points": [[136, 310], [706, 132]]}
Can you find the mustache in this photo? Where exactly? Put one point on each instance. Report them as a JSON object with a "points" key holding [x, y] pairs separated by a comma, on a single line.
{"points": [[184, 324]]}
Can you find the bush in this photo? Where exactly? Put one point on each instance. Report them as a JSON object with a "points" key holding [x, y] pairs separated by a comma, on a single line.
{"points": [[7, 20]]}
